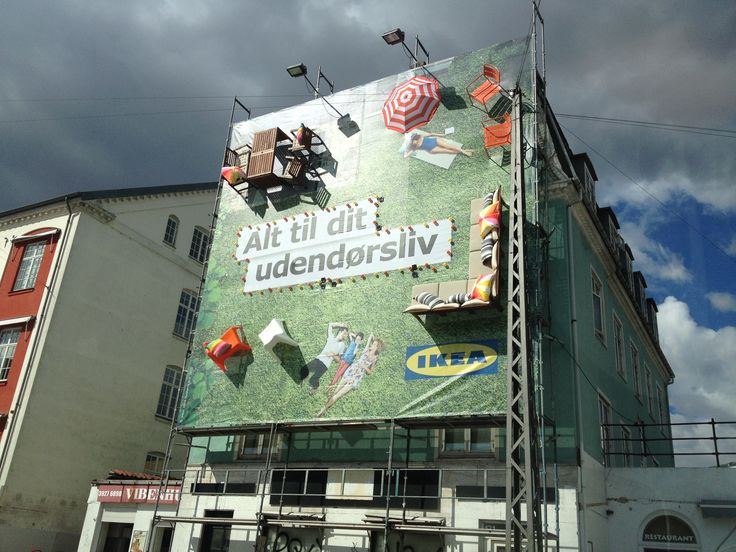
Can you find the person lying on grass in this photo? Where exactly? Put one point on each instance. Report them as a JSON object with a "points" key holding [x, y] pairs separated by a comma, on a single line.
{"points": [[356, 372]]}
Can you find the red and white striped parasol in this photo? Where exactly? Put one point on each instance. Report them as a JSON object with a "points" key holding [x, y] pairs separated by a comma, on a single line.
{"points": [[411, 104]]}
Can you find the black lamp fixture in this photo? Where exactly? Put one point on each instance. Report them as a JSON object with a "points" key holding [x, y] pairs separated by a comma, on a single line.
{"points": [[396, 36], [300, 70]]}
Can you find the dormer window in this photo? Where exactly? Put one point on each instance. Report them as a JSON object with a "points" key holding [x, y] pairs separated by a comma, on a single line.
{"points": [[612, 232], [588, 186]]}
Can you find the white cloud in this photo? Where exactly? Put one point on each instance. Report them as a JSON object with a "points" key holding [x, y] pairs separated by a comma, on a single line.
{"points": [[715, 194], [722, 301], [702, 359], [653, 258], [731, 248]]}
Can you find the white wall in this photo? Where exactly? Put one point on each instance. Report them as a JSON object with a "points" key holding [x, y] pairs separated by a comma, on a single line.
{"points": [[98, 513], [458, 513], [631, 503], [91, 407]]}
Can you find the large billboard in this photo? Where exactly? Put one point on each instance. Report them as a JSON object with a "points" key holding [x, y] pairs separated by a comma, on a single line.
{"points": [[357, 267]]}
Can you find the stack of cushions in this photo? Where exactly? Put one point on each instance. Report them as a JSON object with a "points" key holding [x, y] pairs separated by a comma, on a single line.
{"points": [[233, 175], [217, 348], [489, 223], [299, 136]]}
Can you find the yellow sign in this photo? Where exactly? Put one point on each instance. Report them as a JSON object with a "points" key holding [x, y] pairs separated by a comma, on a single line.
{"points": [[452, 359]]}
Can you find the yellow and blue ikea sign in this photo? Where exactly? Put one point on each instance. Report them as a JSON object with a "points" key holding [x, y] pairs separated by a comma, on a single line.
{"points": [[471, 358]]}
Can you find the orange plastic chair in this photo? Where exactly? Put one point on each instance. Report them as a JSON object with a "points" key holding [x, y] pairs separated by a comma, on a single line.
{"points": [[497, 134], [490, 86], [227, 345]]}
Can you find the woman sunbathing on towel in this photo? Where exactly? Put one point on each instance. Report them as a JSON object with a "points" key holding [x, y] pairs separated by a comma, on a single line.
{"points": [[433, 143], [355, 373]]}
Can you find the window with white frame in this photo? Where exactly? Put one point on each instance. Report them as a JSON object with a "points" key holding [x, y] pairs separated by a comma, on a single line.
{"points": [[8, 341], [200, 243], [172, 228], [469, 440], [635, 375], [255, 445], [604, 417], [598, 321], [618, 346], [154, 463], [626, 445], [185, 313], [29, 265], [650, 394], [169, 394]]}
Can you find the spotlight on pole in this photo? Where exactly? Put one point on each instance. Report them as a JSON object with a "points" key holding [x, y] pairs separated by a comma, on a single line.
{"points": [[397, 37]]}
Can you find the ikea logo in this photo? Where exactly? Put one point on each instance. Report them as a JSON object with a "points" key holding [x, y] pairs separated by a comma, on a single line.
{"points": [[452, 359]]}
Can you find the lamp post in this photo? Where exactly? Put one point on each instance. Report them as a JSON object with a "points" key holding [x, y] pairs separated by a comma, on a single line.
{"points": [[396, 36]]}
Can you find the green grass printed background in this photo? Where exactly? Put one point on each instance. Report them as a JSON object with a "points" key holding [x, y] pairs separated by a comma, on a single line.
{"points": [[415, 192]]}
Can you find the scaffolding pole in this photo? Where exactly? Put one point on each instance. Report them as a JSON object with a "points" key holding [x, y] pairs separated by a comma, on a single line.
{"points": [[521, 464], [388, 485], [213, 224]]}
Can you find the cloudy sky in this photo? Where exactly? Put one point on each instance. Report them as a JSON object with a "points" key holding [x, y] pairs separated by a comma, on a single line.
{"points": [[98, 95]]}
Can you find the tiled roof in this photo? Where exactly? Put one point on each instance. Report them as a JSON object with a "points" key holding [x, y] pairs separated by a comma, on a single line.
{"points": [[125, 474]]}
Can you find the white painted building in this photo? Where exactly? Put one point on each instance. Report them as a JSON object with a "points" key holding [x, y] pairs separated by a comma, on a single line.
{"points": [[97, 300], [120, 511]]}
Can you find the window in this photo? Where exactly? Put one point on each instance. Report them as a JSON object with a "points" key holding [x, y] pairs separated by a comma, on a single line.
{"points": [[626, 445], [597, 287], [200, 243], [188, 305], [618, 345], [216, 538], [8, 341], [172, 227], [169, 393], [29, 265], [635, 370], [254, 445], [604, 416], [650, 397], [469, 440], [154, 462]]}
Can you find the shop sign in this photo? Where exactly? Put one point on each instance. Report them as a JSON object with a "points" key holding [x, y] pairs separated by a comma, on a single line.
{"points": [[138, 494]]}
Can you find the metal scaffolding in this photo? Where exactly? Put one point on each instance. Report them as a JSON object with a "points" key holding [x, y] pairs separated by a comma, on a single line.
{"points": [[521, 462]]}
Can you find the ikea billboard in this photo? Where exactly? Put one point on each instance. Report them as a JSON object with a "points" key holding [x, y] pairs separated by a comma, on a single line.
{"points": [[356, 268]]}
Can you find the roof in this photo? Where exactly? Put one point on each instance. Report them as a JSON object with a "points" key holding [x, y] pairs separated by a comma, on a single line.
{"points": [[118, 192], [125, 474]]}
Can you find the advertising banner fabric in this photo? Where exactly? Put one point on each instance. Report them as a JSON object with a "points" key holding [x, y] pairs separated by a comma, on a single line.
{"points": [[357, 273]]}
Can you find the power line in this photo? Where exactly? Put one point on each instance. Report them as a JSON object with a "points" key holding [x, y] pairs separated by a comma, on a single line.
{"points": [[708, 131], [643, 189]]}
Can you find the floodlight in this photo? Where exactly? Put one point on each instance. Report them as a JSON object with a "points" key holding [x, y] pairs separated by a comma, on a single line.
{"points": [[297, 70], [397, 37], [393, 37]]}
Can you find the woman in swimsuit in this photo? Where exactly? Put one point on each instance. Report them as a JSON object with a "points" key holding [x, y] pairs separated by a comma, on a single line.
{"points": [[355, 373], [433, 143]]}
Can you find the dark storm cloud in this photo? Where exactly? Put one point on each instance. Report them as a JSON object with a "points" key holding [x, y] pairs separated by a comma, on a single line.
{"points": [[660, 61]]}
